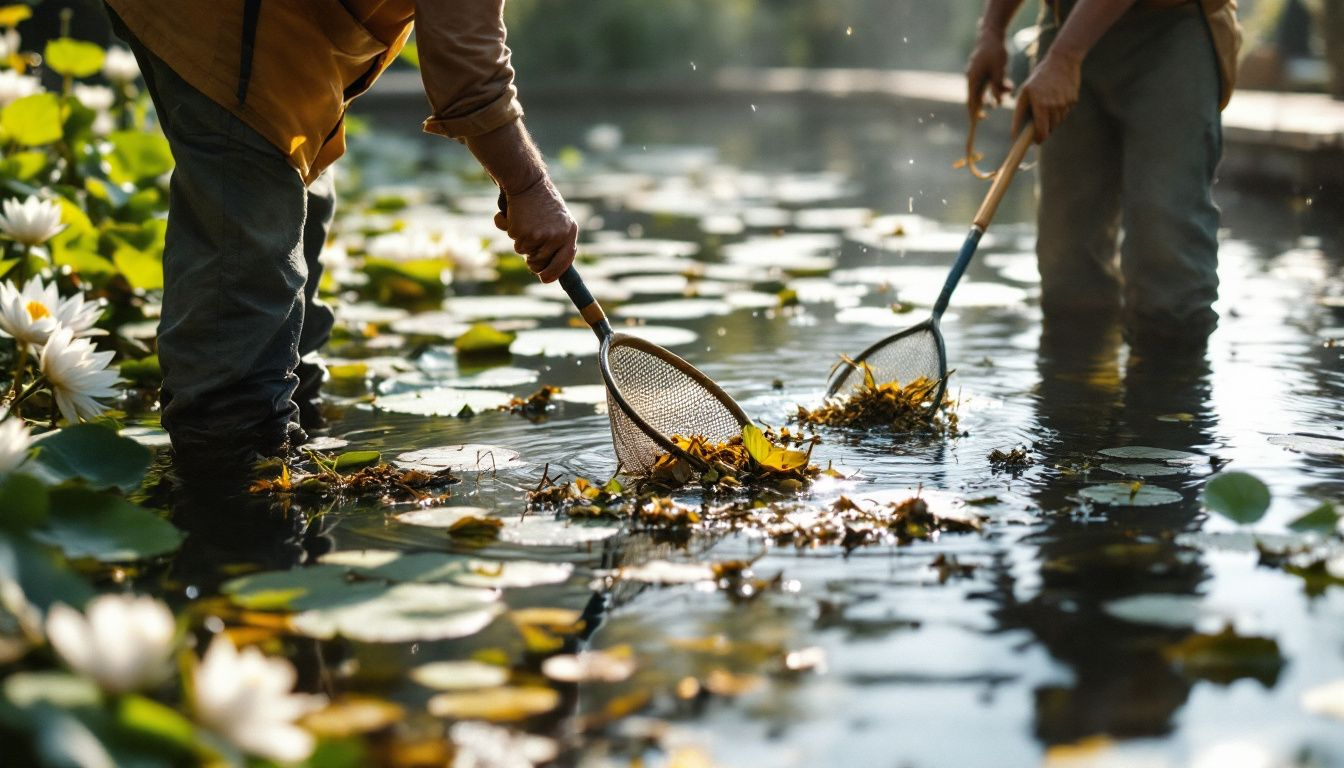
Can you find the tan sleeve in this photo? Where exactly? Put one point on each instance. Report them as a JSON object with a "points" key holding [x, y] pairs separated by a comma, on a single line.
{"points": [[465, 66]]}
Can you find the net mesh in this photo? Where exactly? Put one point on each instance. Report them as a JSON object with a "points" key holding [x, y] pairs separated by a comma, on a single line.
{"points": [[903, 359], [668, 399]]}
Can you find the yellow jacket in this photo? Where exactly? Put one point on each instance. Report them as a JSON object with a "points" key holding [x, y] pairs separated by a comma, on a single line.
{"points": [[289, 68]]}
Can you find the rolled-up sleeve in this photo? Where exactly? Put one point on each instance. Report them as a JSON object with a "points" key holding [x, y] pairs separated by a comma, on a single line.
{"points": [[465, 66]]}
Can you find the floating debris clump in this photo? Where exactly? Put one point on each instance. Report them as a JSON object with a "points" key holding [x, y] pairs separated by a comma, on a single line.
{"points": [[1016, 458], [749, 459], [907, 407], [535, 406]]}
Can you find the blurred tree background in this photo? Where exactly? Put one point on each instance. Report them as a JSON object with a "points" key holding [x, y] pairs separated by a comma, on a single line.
{"points": [[581, 37]]}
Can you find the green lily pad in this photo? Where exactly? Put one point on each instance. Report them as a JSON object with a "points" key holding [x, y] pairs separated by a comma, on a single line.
{"points": [[1315, 445], [404, 613], [1226, 657], [1322, 519], [443, 402], [1147, 453], [93, 453], [1126, 495], [351, 461], [107, 528], [1141, 469], [471, 457], [1238, 496], [459, 675], [481, 339]]}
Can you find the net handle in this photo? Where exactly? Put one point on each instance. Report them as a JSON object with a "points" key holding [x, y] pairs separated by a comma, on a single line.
{"points": [[577, 290]]}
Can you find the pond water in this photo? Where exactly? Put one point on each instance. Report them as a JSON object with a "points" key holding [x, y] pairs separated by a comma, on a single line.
{"points": [[1066, 631]]}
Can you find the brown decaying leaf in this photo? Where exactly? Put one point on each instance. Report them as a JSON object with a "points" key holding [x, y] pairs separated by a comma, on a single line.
{"points": [[900, 407], [382, 479], [1016, 458], [731, 466]]}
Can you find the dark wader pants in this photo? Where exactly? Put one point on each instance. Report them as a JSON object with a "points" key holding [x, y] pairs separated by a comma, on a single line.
{"points": [[1137, 153], [240, 272]]}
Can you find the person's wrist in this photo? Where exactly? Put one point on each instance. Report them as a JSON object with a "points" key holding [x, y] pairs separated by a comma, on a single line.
{"points": [[992, 32], [1061, 53]]}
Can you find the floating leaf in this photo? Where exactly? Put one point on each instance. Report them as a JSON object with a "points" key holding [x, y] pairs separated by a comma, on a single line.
{"points": [[666, 572], [1141, 469], [443, 401], [1315, 445], [1327, 699], [87, 523], [1322, 519], [1147, 453], [440, 517], [355, 460], [403, 613], [23, 501], [533, 531], [1129, 495], [352, 716], [459, 675], [73, 58], [1238, 496], [471, 457], [610, 666], [502, 704], [769, 455], [567, 342], [1226, 657], [93, 453], [481, 339]]}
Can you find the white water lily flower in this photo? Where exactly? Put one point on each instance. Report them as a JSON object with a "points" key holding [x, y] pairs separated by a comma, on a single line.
{"points": [[15, 440], [31, 222], [247, 698], [14, 86], [9, 43], [99, 98], [26, 315], [123, 642], [77, 375], [120, 66]]}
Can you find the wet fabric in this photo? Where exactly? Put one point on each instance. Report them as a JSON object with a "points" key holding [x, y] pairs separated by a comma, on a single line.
{"points": [[1136, 156], [241, 271], [309, 59]]}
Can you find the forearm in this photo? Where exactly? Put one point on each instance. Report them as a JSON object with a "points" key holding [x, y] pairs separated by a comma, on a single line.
{"points": [[509, 156], [1086, 23], [997, 15]]}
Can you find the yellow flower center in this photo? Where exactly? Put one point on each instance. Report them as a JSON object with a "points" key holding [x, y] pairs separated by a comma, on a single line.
{"points": [[37, 310]]}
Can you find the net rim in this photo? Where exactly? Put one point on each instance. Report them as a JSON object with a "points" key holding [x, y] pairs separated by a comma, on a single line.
{"points": [[843, 370], [695, 374]]}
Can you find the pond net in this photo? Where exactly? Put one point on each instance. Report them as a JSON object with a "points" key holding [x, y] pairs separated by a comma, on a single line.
{"points": [[902, 358], [653, 395]]}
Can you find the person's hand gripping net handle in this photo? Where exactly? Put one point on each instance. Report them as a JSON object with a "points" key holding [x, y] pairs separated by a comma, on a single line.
{"points": [[997, 189], [578, 292]]}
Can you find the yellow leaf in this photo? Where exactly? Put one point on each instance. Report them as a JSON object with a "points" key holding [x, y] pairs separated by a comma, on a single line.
{"points": [[769, 455]]}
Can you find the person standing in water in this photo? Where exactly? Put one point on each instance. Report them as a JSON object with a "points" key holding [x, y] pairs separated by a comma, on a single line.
{"points": [[1128, 95], [252, 98]]}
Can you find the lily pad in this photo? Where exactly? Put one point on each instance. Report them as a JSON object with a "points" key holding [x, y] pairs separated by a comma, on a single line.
{"points": [[107, 528], [1327, 699], [1126, 495], [459, 675], [1226, 657], [440, 324], [570, 342], [1141, 469], [433, 567], [679, 309], [536, 531], [502, 704], [93, 453], [1168, 610], [587, 394], [473, 308], [1238, 496], [1147, 453], [470, 457], [404, 613], [495, 378], [666, 572], [1322, 519], [1315, 445], [443, 401], [611, 666], [440, 517]]}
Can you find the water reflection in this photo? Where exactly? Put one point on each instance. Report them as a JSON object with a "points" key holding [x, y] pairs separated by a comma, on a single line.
{"points": [[1091, 397]]}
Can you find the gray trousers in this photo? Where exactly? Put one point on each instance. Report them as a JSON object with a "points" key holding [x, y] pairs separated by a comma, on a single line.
{"points": [[241, 270], [1136, 155]]}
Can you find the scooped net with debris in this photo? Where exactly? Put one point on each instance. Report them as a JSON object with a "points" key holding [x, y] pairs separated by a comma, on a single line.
{"points": [[908, 407]]}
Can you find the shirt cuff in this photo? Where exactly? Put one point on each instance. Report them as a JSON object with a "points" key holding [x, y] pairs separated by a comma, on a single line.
{"points": [[502, 111]]}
